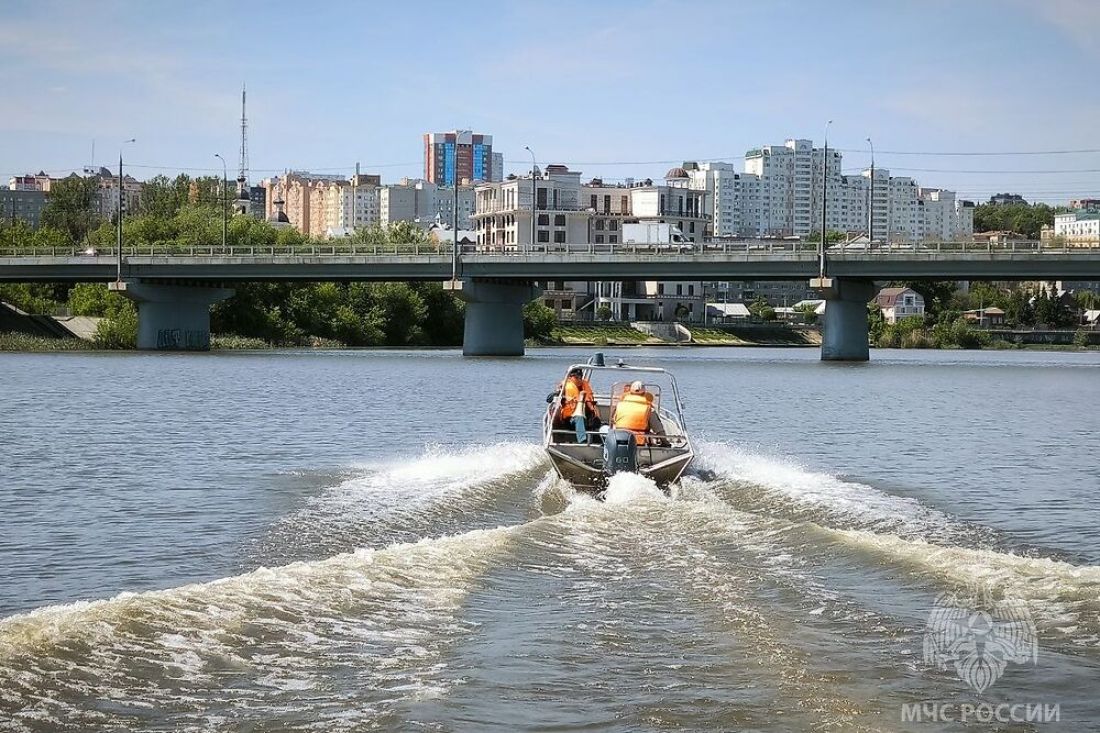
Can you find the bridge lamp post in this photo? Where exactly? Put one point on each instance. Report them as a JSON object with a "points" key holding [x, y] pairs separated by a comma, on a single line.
{"points": [[454, 226], [534, 193], [824, 200], [121, 207], [871, 199], [225, 190]]}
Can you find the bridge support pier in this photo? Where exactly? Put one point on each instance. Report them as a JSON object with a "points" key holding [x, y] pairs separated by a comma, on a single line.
{"points": [[172, 317], [494, 315], [844, 327]]}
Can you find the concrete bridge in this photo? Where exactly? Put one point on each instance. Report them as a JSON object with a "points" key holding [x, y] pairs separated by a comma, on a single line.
{"points": [[175, 286]]}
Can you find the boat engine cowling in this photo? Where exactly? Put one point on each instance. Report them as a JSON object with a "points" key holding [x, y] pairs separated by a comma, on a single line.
{"points": [[620, 452]]}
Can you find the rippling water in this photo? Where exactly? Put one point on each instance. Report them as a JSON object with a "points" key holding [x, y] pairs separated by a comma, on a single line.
{"points": [[355, 541]]}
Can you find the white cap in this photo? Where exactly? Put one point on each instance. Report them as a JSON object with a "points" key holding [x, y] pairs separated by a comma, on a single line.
{"points": [[637, 387]]}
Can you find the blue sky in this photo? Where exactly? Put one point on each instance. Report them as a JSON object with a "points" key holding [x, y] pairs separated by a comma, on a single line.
{"points": [[613, 88]]}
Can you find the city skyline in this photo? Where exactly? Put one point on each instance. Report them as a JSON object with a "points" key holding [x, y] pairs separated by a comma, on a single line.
{"points": [[954, 81]]}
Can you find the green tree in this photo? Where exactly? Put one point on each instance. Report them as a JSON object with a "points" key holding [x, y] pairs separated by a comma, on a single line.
{"points": [[1026, 219], [162, 197], [401, 311], [446, 315], [34, 298], [937, 294], [94, 299], [762, 309], [71, 207], [538, 320], [119, 331], [809, 312]]}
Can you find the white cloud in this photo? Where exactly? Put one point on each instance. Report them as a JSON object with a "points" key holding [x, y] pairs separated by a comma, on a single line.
{"points": [[1076, 19]]}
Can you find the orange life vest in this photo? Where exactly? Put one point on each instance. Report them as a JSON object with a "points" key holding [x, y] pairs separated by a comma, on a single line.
{"points": [[632, 413], [575, 390]]}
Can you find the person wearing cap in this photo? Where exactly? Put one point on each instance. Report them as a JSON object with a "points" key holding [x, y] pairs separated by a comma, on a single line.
{"points": [[578, 403], [633, 411]]}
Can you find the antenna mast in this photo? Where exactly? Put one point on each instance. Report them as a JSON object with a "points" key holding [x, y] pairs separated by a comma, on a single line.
{"points": [[243, 204]]}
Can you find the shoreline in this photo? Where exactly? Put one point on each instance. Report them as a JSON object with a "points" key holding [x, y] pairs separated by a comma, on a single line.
{"points": [[34, 345]]}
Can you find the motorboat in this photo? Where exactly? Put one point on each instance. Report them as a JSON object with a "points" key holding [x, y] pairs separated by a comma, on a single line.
{"points": [[661, 452]]}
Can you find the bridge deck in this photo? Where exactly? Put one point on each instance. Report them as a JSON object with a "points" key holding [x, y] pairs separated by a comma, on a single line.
{"points": [[726, 261]]}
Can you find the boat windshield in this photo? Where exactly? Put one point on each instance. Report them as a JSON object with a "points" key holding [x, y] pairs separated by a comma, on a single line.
{"points": [[609, 384]]}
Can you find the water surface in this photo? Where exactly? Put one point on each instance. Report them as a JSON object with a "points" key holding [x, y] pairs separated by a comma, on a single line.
{"points": [[373, 540]]}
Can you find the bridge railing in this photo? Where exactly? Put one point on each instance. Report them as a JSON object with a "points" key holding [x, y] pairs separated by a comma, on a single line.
{"points": [[747, 248]]}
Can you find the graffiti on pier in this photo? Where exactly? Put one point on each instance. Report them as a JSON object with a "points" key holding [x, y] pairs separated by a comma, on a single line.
{"points": [[179, 339]]}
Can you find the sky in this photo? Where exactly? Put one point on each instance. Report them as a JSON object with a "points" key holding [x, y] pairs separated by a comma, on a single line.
{"points": [[615, 88]]}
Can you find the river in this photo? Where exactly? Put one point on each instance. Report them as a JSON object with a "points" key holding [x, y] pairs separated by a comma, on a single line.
{"points": [[373, 540]]}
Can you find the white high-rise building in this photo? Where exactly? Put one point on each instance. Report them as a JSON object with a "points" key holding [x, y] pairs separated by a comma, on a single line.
{"points": [[780, 195]]}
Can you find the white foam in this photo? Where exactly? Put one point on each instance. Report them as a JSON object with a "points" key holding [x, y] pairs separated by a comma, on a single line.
{"points": [[824, 497], [438, 471], [1059, 593], [631, 488], [386, 613]]}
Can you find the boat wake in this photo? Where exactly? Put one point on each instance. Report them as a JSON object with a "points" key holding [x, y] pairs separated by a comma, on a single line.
{"points": [[442, 491], [750, 560], [362, 629]]}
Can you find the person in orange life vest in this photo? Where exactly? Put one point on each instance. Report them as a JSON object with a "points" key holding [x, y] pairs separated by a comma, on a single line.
{"points": [[633, 411], [578, 403]]}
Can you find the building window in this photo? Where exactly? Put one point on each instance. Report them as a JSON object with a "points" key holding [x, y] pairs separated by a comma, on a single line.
{"points": [[559, 220], [613, 238], [624, 204], [559, 237], [606, 204], [613, 225], [599, 239], [544, 220], [592, 201], [660, 288], [540, 198], [544, 236], [599, 225]]}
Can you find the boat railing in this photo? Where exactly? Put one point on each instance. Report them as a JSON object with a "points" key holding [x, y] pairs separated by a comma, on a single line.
{"points": [[595, 438]]}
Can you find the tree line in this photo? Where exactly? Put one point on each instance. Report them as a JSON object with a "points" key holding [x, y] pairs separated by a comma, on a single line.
{"points": [[184, 212], [944, 324]]}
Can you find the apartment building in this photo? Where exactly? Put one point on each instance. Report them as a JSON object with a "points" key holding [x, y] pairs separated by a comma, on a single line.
{"points": [[30, 182], [22, 204], [1078, 227], [780, 195], [611, 208], [503, 210], [457, 155], [424, 203], [303, 196], [350, 205]]}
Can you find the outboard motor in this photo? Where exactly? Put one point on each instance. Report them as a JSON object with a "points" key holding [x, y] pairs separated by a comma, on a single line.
{"points": [[620, 452]]}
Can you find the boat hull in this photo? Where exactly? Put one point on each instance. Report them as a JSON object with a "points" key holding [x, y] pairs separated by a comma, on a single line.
{"points": [[582, 465]]}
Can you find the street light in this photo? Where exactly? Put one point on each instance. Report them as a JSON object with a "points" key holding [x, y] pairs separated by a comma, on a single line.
{"points": [[824, 200], [454, 233], [871, 199], [225, 190], [118, 275], [534, 167]]}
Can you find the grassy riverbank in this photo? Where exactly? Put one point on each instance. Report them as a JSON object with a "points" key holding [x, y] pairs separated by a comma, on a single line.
{"points": [[15, 341]]}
